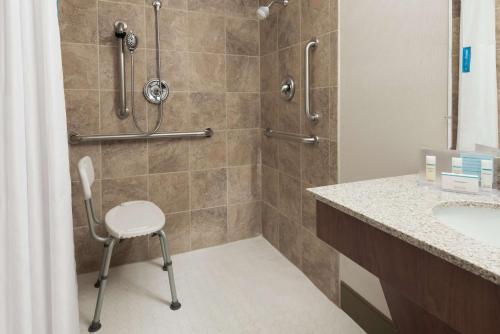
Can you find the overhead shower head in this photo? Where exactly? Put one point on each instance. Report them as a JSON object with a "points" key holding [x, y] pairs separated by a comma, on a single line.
{"points": [[263, 11], [132, 41]]}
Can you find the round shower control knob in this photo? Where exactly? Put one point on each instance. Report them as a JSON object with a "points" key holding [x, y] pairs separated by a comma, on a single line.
{"points": [[287, 88], [152, 91]]}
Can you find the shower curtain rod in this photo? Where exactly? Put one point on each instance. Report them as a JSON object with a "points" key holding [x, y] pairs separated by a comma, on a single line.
{"points": [[75, 138]]}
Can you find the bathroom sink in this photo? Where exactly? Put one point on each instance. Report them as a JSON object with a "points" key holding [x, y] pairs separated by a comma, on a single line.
{"points": [[477, 221]]}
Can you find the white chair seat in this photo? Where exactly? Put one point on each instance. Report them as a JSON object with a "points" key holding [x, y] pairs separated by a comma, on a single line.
{"points": [[134, 219]]}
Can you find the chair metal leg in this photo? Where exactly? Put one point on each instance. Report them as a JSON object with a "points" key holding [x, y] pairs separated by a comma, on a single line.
{"points": [[96, 322], [175, 305], [103, 262]]}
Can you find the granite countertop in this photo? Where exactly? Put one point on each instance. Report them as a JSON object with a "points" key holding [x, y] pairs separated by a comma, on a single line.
{"points": [[402, 208]]}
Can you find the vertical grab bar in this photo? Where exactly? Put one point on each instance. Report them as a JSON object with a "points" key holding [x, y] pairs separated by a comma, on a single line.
{"points": [[120, 33], [313, 43]]}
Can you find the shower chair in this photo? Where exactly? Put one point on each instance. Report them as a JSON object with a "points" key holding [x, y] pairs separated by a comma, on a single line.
{"points": [[124, 221]]}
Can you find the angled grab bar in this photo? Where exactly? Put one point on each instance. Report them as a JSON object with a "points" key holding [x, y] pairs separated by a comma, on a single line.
{"points": [[75, 138], [291, 136], [312, 44]]}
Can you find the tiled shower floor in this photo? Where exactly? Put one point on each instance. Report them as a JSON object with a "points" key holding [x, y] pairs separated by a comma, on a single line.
{"points": [[242, 287]]}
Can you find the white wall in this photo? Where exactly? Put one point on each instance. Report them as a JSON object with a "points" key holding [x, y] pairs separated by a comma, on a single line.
{"points": [[393, 96]]}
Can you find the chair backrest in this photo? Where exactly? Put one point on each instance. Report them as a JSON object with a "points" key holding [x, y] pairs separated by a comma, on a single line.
{"points": [[87, 177]]}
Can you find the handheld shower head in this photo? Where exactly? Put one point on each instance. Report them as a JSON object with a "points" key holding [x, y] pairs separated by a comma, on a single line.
{"points": [[132, 41], [263, 11]]}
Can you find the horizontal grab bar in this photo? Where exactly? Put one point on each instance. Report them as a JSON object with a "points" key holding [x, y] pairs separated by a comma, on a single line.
{"points": [[291, 136], [75, 138]]}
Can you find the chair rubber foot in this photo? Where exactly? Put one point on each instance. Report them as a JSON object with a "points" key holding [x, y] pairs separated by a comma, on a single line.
{"points": [[165, 267], [175, 306], [94, 327], [97, 284]]}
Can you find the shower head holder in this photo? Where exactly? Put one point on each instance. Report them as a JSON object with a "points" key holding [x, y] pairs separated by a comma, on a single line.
{"points": [[120, 29]]}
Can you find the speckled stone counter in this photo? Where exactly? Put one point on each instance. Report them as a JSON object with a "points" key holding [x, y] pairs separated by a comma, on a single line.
{"points": [[402, 208]]}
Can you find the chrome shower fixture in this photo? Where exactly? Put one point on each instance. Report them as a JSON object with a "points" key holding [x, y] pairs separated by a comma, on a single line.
{"points": [[121, 33], [156, 4], [263, 11]]}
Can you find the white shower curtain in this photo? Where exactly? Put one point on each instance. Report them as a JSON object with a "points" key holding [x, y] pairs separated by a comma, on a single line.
{"points": [[477, 106], [37, 267]]}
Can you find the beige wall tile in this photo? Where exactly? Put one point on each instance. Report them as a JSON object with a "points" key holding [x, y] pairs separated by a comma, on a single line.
{"points": [[174, 69], [290, 240], [289, 114], [208, 188], [205, 153], [244, 184], [289, 25], [289, 196], [121, 159], [177, 230], [168, 156], [270, 224], [270, 185], [308, 209], [242, 8], [207, 72], [79, 66], [243, 110], [208, 227], [243, 147], [334, 59], [319, 263], [110, 12], [316, 158], [82, 111], [289, 158], [269, 73], [333, 162], [206, 33], [269, 147], [208, 6], [269, 34], [207, 110], [242, 74], [333, 113], [269, 110], [289, 65], [316, 18], [334, 14], [81, 14], [242, 36], [116, 191], [170, 191], [243, 221], [176, 113], [173, 27]]}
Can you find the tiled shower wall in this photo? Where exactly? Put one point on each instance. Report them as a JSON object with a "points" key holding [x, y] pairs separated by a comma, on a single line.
{"points": [[210, 189], [288, 168]]}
